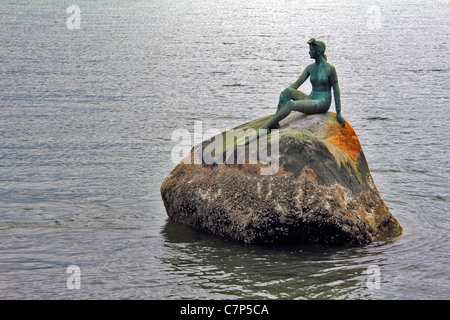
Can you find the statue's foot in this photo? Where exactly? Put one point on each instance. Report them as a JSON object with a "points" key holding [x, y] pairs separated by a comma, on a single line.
{"points": [[275, 126]]}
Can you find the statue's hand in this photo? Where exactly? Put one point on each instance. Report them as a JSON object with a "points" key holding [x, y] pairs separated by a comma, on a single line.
{"points": [[340, 120]]}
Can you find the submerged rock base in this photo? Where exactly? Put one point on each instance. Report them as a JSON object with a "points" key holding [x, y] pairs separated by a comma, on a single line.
{"points": [[321, 189]]}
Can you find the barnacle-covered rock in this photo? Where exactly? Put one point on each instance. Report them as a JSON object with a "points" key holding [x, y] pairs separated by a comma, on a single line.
{"points": [[319, 190]]}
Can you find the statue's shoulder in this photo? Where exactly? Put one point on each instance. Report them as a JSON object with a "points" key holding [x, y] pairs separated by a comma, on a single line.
{"points": [[309, 67], [331, 66]]}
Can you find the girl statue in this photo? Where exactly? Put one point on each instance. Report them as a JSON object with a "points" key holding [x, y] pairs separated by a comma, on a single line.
{"points": [[323, 77]]}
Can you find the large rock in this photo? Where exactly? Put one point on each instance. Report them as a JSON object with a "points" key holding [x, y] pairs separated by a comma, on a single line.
{"points": [[322, 190]]}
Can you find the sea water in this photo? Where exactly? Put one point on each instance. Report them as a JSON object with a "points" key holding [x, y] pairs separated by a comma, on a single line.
{"points": [[92, 91]]}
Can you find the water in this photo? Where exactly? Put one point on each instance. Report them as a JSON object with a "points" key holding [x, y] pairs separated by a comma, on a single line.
{"points": [[86, 120]]}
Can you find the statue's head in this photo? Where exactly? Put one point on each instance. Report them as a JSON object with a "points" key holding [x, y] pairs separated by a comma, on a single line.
{"points": [[316, 48]]}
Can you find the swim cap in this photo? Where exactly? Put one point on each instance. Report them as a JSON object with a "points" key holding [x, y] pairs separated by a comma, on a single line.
{"points": [[318, 43]]}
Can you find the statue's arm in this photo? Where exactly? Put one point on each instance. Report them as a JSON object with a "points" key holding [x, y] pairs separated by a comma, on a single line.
{"points": [[337, 95], [301, 79]]}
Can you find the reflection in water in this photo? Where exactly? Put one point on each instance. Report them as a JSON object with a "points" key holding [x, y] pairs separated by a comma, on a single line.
{"points": [[294, 271]]}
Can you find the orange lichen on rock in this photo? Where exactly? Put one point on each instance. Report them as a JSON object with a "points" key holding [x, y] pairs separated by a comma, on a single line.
{"points": [[282, 172], [309, 173], [344, 139]]}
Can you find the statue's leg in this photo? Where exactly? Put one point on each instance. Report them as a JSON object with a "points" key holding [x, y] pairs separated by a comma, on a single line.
{"points": [[280, 103], [288, 95], [305, 106], [309, 106]]}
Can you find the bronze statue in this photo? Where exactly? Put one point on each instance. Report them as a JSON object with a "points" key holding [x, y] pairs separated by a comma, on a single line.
{"points": [[323, 77]]}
